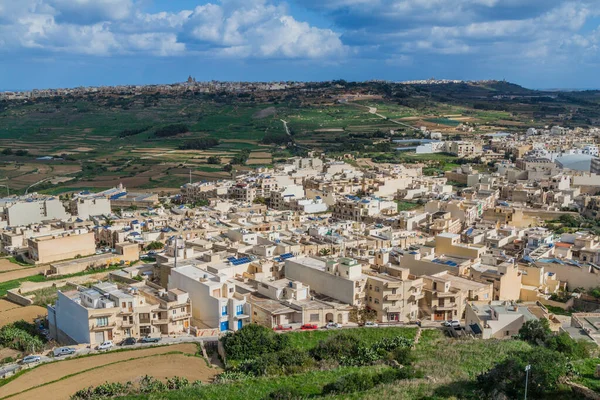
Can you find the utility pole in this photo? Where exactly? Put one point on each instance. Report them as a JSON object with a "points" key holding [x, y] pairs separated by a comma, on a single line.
{"points": [[527, 368]]}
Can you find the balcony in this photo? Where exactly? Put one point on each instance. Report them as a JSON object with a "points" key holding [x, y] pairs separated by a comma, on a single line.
{"points": [[127, 324], [160, 321], [103, 327], [417, 296], [178, 317], [393, 297], [445, 294], [242, 316], [126, 311], [145, 321], [445, 307]]}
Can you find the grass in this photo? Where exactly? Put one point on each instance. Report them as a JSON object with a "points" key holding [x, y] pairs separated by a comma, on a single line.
{"points": [[586, 369], [309, 384], [406, 205], [309, 339], [451, 367], [15, 261], [558, 310]]}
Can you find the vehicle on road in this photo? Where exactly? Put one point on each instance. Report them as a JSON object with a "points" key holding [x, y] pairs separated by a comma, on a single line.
{"points": [[309, 327], [451, 324], [332, 325], [106, 345], [150, 339], [31, 359], [64, 351], [371, 324], [283, 328], [128, 342]]}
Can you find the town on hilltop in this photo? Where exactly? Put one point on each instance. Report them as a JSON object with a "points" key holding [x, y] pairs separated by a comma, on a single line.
{"points": [[323, 243]]}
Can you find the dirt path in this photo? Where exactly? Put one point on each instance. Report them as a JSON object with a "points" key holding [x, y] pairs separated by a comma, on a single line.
{"points": [[50, 372], [6, 265], [22, 273], [162, 367]]}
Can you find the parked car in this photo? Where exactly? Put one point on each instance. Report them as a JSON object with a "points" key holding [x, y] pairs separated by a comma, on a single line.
{"points": [[64, 351], [307, 327], [128, 342], [106, 345], [451, 324], [31, 359], [371, 324], [150, 339], [333, 325], [283, 328]]}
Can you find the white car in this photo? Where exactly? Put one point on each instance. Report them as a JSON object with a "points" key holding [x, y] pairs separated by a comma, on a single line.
{"points": [[106, 345], [452, 324], [31, 359], [371, 324], [332, 325]]}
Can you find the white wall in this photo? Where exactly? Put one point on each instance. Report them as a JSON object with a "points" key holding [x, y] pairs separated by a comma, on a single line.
{"points": [[72, 319]]}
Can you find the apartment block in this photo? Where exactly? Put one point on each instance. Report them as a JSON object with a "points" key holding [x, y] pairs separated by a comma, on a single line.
{"points": [[47, 249], [446, 296], [220, 306], [107, 312]]}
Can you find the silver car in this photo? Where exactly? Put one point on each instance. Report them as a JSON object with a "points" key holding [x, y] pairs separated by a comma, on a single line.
{"points": [[31, 359]]}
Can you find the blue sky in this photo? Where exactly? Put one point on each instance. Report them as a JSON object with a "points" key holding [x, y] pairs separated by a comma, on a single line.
{"points": [[66, 43]]}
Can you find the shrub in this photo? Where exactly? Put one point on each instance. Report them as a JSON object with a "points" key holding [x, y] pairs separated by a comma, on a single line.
{"points": [[337, 347], [171, 130], [563, 343], [149, 384], [176, 383], [253, 341], [231, 376], [21, 336], [547, 368], [350, 383], [535, 331], [285, 393]]}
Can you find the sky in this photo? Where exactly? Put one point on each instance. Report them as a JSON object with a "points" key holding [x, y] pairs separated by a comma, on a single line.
{"points": [[68, 43]]}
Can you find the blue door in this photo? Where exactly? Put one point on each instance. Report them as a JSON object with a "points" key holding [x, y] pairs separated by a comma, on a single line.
{"points": [[240, 324], [225, 326]]}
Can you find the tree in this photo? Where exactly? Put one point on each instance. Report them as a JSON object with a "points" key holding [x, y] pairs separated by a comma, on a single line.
{"points": [[228, 168], [21, 153], [564, 344], [213, 160], [253, 341], [7, 152], [324, 252], [155, 246], [535, 331], [508, 376]]}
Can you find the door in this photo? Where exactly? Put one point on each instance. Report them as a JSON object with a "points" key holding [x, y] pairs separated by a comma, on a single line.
{"points": [[439, 316], [240, 324], [99, 337], [225, 326], [110, 336]]}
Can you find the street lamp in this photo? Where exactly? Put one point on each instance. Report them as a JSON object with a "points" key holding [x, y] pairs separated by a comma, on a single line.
{"points": [[527, 368]]}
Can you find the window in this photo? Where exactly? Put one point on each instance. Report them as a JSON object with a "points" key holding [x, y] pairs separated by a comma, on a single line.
{"points": [[239, 310], [102, 321], [370, 299], [370, 287], [376, 301], [182, 309], [174, 312], [230, 290], [314, 317], [377, 289], [123, 305], [224, 310]]}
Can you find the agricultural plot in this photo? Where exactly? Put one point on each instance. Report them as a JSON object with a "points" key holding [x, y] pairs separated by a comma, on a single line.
{"points": [[11, 312], [60, 380]]}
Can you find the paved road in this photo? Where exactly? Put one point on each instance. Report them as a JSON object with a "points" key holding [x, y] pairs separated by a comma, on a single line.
{"points": [[87, 350]]}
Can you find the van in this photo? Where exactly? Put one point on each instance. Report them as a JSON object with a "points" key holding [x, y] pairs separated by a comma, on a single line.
{"points": [[63, 351]]}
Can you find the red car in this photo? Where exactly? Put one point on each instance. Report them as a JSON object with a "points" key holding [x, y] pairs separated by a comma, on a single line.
{"points": [[308, 327], [282, 328]]}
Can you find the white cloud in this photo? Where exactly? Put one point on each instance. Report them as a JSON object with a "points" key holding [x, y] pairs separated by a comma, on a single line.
{"points": [[229, 28]]}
